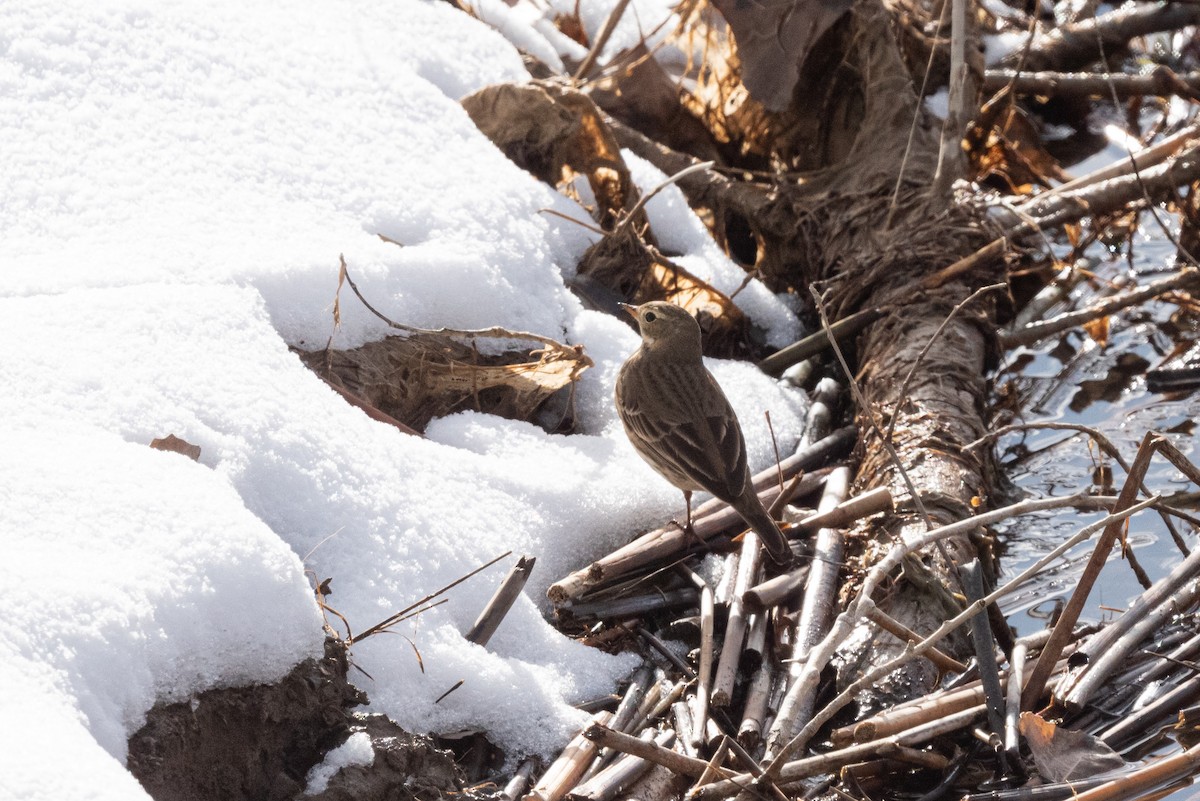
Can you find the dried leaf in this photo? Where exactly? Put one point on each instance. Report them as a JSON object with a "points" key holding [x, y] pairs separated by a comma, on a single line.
{"points": [[645, 97], [556, 134], [774, 38], [1064, 755], [1006, 147], [428, 374], [571, 26], [630, 270], [1097, 329], [174, 444]]}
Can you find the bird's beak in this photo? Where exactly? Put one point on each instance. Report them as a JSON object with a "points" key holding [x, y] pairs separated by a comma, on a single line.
{"points": [[630, 308]]}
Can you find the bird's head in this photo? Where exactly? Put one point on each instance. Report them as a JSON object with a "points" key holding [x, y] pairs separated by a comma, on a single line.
{"points": [[666, 328]]}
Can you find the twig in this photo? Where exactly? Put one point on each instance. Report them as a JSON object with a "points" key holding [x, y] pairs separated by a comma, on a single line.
{"points": [[944, 661], [667, 654], [606, 31], [639, 684], [831, 761], [1161, 82], [754, 713], [606, 737], [1107, 649], [609, 782], [712, 769], [992, 250], [735, 626], [632, 606], [1063, 207], [502, 600], [1187, 277], [1143, 159], [817, 342], [1146, 718], [1040, 673], [1074, 46], [565, 771], [1105, 445], [777, 590], [393, 619], [951, 160], [985, 649], [1057, 291], [815, 614], [917, 116], [881, 569], [671, 541], [1153, 775], [869, 412], [644, 199], [704, 677], [516, 785], [1012, 703], [910, 715]]}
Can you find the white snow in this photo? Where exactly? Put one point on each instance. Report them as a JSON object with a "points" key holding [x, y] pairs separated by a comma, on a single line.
{"points": [[179, 180], [357, 750], [681, 231]]}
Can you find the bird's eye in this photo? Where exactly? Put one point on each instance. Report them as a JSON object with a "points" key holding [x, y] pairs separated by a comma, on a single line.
{"points": [[649, 317]]}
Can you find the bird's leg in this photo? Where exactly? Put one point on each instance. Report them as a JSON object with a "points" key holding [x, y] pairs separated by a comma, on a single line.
{"points": [[686, 527]]}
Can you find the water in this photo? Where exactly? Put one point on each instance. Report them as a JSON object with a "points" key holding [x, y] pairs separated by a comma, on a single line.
{"points": [[1072, 378]]}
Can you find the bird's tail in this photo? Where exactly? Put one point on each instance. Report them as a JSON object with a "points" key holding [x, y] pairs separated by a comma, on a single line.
{"points": [[752, 511]]}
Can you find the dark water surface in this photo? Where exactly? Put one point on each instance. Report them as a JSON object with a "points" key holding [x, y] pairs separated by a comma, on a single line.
{"points": [[1072, 378]]}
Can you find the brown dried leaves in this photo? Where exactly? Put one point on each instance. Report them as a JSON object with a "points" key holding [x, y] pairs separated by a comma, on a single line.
{"points": [[556, 135], [427, 374], [408, 380], [559, 134]]}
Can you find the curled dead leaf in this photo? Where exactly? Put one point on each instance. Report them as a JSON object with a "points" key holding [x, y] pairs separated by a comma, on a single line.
{"points": [[1064, 755], [556, 134], [425, 374]]}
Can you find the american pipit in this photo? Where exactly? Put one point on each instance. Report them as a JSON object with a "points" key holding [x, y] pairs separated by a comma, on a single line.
{"points": [[681, 423]]}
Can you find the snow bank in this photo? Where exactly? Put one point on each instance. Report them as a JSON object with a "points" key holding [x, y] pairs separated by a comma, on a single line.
{"points": [[180, 180]]}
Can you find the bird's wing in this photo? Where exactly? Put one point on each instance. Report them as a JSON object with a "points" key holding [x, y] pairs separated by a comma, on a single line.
{"points": [[726, 433], [691, 434]]}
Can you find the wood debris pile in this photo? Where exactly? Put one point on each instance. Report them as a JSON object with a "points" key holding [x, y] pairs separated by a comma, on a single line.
{"points": [[881, 666]]}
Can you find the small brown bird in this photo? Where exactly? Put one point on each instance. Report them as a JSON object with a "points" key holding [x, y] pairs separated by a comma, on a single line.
{"points": [[681, 423]]}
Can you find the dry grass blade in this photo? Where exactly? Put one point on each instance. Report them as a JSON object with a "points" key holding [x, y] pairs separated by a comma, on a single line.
{"points": [[403, 613]]}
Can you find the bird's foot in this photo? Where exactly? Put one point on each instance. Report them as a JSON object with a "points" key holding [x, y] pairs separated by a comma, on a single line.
{"points": [[689, 533]]}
